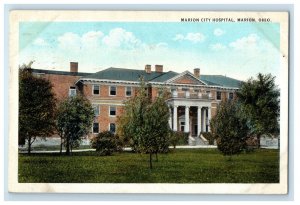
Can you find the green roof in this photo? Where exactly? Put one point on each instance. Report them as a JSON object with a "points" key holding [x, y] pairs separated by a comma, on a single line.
{"points": [[131, 75], [124, 74], [220, 80], [134, 75]]}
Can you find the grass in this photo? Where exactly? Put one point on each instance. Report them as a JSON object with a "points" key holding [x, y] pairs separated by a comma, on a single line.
{"points": [[180, 166]]}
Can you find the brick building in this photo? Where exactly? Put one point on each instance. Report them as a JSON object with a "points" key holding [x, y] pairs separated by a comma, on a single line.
{"points": [[194, 97]]}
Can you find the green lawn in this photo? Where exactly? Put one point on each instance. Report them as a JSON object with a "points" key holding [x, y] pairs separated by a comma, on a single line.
{"points": [[181, 166]]}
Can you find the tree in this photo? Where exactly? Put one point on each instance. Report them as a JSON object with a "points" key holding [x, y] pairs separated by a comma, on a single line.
{"points": [[259, 99], [229, 128], [145, 122], [106, 143], [74, 119], [37, 107]]}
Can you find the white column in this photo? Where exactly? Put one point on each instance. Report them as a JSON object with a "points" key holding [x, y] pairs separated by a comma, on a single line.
{"points": [[170, 118], [204, 120], [175, 118], [187, 119], [209, 117], [199, 127]]}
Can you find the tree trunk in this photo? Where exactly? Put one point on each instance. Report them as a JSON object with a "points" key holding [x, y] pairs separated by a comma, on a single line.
{"points": [[150, 160], [61, 145], [258, 141], [29, 146], [68, 146]]}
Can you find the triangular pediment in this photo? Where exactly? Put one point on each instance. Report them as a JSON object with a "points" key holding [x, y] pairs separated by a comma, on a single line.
{"points": [[186, 78]]}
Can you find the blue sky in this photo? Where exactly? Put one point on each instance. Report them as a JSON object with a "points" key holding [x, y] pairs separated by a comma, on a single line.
{"points": [[238, 50]]}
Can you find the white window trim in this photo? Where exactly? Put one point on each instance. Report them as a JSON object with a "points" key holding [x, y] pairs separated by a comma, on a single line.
{"points": [[98, 128], [126, 91], [110, 90], [70, 89], [115, 111], [97, 105], [93, 90]]}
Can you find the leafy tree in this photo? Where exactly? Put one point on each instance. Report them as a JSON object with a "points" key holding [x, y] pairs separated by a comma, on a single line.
{"points": [[37, 106], [145, 122], [229, 128], [74, 119], [259, 99]]}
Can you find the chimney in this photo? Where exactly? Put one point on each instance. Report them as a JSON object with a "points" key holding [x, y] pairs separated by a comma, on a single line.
{"points": [[197, 72], [74, 67], [148, 68], [159, 68]]}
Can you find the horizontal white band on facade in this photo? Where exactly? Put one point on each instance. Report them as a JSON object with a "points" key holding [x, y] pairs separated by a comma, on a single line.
{"points": [[95, 103], [155, 84]]}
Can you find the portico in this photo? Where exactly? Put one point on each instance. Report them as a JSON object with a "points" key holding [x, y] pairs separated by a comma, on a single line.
{"points": [[190, 115]]}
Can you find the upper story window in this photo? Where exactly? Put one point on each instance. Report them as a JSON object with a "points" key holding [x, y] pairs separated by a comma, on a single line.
{"points": [[230, 96], [128, 91], [96, 110], [72, 91], [112, 127], [113, 90], [96, 89], [218, 95], [95, 127], [112, 111], [208, 94]]}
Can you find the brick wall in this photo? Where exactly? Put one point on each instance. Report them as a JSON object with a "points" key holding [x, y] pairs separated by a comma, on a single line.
{"points": [[61, 84]]}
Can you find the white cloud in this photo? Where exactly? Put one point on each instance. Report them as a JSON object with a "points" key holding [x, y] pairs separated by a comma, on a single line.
{"points": [[193, 37], [91, 37], [178, 37], [247, 42], [74, 42], [40, 42], [218, 32], [120, 38], [217, 47], [161, 45], [69, 41]]}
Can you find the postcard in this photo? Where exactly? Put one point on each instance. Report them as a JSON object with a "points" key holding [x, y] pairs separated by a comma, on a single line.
{"points": [[188, 102]]}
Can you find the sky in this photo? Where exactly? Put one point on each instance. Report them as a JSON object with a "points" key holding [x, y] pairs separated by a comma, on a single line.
{"points": [[237, 50]]}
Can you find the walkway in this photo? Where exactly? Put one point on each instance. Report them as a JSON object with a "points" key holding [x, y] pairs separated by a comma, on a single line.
{"points": [[125, 149]]}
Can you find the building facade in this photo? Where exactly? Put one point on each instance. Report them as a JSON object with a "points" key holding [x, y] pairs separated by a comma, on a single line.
{"points": [[192, 103]]}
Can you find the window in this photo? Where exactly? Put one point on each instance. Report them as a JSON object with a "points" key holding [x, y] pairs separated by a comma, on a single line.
{"points": [[112, 111], [112, 90], [218, 95], [96, 127], [230, 96], [72, 91], [96, 89], [96, 110], [128, 91], [112, 127]]}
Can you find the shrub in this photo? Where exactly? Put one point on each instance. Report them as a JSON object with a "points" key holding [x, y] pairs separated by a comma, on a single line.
{"points": [[209, 136], [178, 138], [106, 143]]}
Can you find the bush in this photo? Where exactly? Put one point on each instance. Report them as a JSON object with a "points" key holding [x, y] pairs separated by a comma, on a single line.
{"points": [[209, 136], [178, 138], [106, 143]]}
